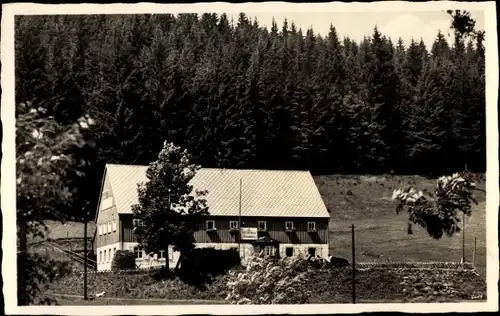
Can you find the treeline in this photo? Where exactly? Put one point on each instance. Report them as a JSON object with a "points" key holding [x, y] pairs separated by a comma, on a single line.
{"points": [[237, 95]]}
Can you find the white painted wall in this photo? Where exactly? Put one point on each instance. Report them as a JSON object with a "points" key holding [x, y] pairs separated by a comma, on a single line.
{"points": [[245, 252], [107, 203], [105, 263], [303, 249]]}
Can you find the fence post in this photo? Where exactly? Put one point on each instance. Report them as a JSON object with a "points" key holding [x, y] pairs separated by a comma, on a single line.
{"points": [[85, 297], [474, 253], [353, 268], [463, 237]]}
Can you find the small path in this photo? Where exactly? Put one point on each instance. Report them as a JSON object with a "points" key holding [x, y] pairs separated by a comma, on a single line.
{"points": [[176, 301]]}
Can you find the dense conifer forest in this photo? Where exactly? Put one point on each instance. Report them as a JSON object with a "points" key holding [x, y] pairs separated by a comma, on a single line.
{"points": [[237, 95]]}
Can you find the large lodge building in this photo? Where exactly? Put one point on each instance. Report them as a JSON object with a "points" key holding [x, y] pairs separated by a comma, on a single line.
{"points": [[281, 213]]}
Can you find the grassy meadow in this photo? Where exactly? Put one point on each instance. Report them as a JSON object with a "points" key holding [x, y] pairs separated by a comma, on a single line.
{"points": [[381, 234]]}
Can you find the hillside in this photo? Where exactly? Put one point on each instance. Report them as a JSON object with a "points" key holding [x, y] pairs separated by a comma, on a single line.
{"points": [[381, 235]]}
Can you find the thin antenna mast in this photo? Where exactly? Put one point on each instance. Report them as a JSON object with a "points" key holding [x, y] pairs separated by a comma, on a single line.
{"points": [[239, 224]]}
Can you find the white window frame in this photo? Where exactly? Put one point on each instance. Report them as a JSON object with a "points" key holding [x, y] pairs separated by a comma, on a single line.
{"points": [[265, 225], [210, 221], [135, 221], [309, 228], [114, 225], [99, 229], [109, 228], [289, 228], [105, 195], [269, 250], [105, 257], [100, 256], [161, 255], [138, 252], [233, 225]]}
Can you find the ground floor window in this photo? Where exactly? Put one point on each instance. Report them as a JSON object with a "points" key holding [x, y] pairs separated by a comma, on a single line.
{"points": [[100, 256], [138, 252], [312, 251], [269, 251], [289, 251], [161, 255]]}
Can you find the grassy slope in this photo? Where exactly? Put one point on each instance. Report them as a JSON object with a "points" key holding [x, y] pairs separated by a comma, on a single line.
{"points": [[381, 235]]}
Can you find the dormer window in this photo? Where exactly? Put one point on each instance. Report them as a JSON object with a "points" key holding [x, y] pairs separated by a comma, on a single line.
{"points": [[311, 227], [233, 226], [262, 225], [289, 227], [211, 226]]}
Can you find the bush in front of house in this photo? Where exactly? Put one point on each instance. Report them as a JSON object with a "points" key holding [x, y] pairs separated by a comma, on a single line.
{"points": [[123, 260], [201, 265], [268, 281]]}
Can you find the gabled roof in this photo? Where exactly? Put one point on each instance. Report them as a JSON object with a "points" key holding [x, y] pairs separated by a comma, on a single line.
{"points": [[273, 193]]}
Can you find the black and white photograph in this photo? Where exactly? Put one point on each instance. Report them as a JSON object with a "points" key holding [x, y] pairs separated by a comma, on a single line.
{"points": [[221, 158]]}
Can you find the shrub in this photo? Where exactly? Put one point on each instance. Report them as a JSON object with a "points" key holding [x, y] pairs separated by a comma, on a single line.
{"points": [[123, 260], [454, 194], [163, 273], [200, 265], [269, 281], [41, 271]]}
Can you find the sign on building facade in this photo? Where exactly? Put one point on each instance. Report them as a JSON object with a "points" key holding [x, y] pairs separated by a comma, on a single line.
{"points": [[249, 233]]}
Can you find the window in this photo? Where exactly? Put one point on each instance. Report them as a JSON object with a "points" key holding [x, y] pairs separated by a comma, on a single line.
{"points": [[289, 225], [161, 255], [289, 251], [114, 252], [262, 225], [311, 226], [114, 226], [135, 222], [210, 225], [99, 229], [109, 228], [312, 251], [269, 251], [138, 252], [100, 256], [233, 225], [105, 257]]}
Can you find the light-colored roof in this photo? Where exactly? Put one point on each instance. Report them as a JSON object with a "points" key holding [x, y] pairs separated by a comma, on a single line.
{"points": [[273, 193]]}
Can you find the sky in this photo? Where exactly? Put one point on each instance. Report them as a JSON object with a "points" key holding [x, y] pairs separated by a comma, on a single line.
{"points": [[356, 25]]}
